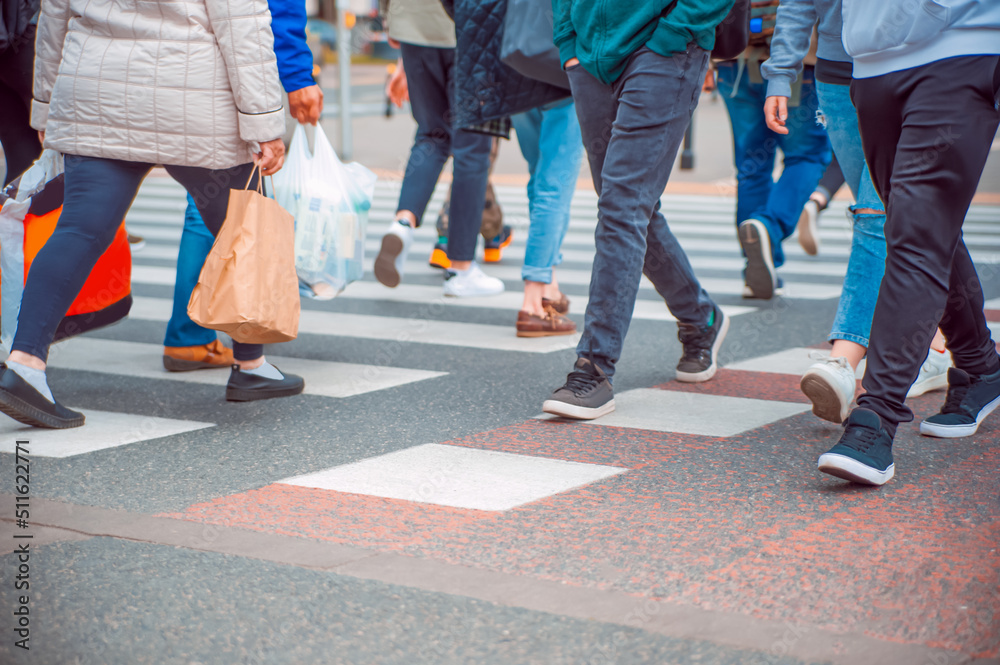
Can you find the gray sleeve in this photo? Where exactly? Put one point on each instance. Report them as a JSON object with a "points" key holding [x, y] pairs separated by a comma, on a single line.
{"points": [[789, 45]]}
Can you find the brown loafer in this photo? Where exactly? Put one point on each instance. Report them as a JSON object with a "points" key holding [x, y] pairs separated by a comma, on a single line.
{"points": [[551, 323], [203, 356], [561, 305]]}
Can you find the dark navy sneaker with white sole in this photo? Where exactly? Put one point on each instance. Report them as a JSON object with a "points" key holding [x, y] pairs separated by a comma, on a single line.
{"points": [[699, 361], [586, 395], [760, 276], [863, 454], [970, 399]]}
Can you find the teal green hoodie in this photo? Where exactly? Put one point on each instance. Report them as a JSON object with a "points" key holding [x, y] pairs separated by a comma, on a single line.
{"points": [[604, 33]]}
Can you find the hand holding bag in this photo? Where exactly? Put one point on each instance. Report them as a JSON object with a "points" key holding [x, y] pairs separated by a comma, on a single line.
{"points": [[247, 287]]}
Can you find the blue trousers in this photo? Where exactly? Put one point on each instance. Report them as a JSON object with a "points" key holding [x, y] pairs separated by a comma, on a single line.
{"points": [[196, 242], [98, 193], [550, 141], [806, 151], [632, 135]]}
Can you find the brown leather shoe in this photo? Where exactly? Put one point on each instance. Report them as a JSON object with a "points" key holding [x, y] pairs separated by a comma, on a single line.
{"points": [[203, 356], [561, 305], [551, 323]]}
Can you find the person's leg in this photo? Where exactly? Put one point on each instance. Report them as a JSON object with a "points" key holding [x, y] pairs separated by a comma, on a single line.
{"points": [[833, 178], [427, 78], [20, 141], [550, 191], [196, 242], [926, 133], [642, 136], [806, 153], [754, 145]]}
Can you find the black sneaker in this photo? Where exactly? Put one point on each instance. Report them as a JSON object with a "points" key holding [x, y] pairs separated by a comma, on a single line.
{"points": [[701, 348], [970, 399], [244, 387], [20, 401], [586, 395], [760, 276], [864, 452]]}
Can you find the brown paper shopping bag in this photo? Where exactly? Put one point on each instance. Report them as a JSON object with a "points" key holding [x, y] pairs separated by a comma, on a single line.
{"points": [[248, 287]]}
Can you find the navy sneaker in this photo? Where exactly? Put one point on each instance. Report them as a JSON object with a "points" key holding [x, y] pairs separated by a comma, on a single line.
{"points": [[970, 399], [864, 452], [700, 359]]}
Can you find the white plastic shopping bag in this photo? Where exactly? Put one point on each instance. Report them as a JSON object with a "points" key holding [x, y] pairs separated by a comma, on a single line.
{"points": [[329, 201]]}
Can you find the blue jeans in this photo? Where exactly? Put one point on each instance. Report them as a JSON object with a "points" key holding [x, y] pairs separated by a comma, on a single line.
{"points": [[866, 265], [806, 151], [98, 193], [430, 74], [196, 242], [632, 134], [550, 141]]}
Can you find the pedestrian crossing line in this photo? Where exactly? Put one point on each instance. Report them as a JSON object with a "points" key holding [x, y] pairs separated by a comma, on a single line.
{"points": [[457, 477], [795, 360], [647, 310], [103, 430], [135, 359], [394, 329], [692, 413]]}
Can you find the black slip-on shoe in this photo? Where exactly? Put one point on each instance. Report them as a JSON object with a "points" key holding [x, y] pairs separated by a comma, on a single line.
{"points": [[20, 401], [244, 387]]}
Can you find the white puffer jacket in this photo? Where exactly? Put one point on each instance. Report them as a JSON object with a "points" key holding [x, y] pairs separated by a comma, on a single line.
{"points": [[191, 83]]}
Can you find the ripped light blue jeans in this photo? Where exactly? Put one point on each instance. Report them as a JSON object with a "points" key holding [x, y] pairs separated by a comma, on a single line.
{"points": [[866, 265]]}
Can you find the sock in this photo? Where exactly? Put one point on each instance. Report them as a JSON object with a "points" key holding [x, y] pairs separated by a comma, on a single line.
{"points": [[34, 377], [443, 240], [267, 370], [711, 319]]}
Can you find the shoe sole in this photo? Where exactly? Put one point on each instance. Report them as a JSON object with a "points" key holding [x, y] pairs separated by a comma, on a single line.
{"points": [[177, 365], [27, 414], [544, 333], [808, 233], [575, 412], [705, 375], [826, 399], [439, 259], [239, 395], [847, 468], [958, 431], [760, 275], [939, 382], [495, 254], [385, 263]]}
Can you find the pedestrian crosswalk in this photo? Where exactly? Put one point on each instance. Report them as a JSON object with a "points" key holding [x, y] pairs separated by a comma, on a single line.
{"points": [[416, 315]]}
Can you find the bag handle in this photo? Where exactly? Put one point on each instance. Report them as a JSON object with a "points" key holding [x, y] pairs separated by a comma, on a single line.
{"points": [[260, 180]]}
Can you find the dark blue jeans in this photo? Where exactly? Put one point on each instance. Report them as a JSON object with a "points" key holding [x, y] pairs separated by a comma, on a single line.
{"points": [[430, 76], [98, 194], [806, 151], [632, 130]]}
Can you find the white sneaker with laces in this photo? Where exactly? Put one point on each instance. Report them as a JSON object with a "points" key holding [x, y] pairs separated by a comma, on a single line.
{"points": [[933, 374], [392, 256], [471, 283], [808, 231], [830, 385]]}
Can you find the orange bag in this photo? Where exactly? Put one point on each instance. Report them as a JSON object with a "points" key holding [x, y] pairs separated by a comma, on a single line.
{"points": [[106, 296], [248, 287]]}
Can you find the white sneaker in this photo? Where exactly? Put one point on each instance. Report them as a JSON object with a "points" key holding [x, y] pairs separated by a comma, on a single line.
{"points": [[830, 385], [933, 374], [391, 258], [808, 230], [470, 283]]}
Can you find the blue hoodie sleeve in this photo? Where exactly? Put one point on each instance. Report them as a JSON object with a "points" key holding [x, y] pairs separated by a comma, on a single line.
{"points": [[789, 45], [295, 60]]}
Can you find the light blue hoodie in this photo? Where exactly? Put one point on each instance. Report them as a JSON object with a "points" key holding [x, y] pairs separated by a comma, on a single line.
{"points": [[884, 36], [792, 36]]}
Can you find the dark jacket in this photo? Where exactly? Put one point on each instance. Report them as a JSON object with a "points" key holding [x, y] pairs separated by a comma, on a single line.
{"points": [[15, 15], [487, 89]]}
